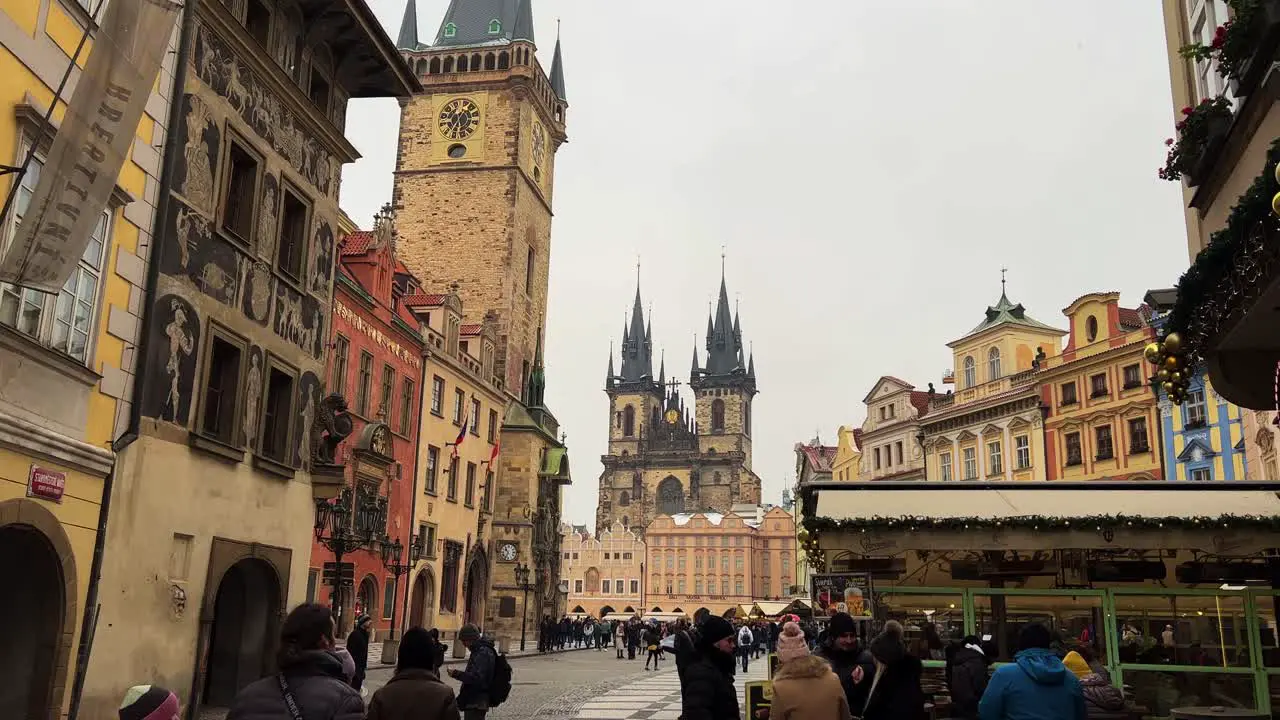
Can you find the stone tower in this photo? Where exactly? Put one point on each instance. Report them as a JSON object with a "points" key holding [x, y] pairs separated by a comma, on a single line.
{"points": [[663, 459], [476, 168]]}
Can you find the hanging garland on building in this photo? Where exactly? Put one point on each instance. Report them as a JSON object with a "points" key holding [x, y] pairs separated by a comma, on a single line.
{"points": [[814, 526]]}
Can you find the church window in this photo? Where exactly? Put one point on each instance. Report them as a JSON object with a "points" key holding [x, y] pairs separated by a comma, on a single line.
{"points": [[717, 415], [448, 62], [970, 372], [475, 62], [746, 417], [528, 265], [504, 61], [993, 364], [462, 63], [624, 499], [450, 30], [629, 421], [495, 26], [434, 67], [670, 496], [490, 61]]}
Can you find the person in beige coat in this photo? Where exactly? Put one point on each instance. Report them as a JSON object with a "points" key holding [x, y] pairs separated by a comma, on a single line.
{"points": [[804, 687]]}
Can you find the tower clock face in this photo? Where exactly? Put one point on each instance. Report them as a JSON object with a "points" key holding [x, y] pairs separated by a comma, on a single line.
{"points": [[508, 552], [459, 119], [672, 417], [539, 144]]}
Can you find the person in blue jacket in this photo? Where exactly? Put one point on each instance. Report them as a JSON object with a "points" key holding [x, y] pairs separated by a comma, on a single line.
{"points": [[1035, 686]]}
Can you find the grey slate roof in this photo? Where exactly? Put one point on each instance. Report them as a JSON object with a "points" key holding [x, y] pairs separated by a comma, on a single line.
{"points": [[408, 39], [557, 72], [470, 20], [1005, 311], [637, 346]]}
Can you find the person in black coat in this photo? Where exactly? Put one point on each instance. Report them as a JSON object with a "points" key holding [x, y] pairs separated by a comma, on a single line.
{"points": [[839, 646], [358, 646], [706, 690], [967, 678], [439, 650], [893, 688], [310, 671]]}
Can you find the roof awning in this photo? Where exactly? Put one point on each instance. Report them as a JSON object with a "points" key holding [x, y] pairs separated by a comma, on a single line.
{"points": [[772, 608], [663, 615]]}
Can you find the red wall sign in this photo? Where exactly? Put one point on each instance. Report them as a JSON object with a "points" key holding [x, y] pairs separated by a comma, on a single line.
{"points": [[46, 484]]}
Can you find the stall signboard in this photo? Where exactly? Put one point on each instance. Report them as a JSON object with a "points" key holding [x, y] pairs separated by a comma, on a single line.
{"points": [[842, 592], [759, 695]]}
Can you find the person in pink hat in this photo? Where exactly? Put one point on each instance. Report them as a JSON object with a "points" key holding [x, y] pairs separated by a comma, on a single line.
{"points": [[804, 687]]}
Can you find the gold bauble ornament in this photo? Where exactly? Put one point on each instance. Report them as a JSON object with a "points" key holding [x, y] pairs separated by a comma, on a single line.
{"points": [[1167, 386], [1152, 352], [1277, 172], [803, 534], [1172, 342], [1275, 202], [1163, 374], [1175, 377], [1171, 362]]}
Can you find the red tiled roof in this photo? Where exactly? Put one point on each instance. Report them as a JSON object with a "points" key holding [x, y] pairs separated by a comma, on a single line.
{"points": [[473, 329], [820, 456], [920, 399], [1132, 318], [423, 300], [857, 437], [357, 243]]}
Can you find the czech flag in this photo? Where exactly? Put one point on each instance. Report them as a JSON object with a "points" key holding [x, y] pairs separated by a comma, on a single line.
{"points": [[493, 454], [462, 433]]}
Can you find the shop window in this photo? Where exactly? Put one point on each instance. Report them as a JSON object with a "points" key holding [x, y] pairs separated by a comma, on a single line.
{"points": [[944, 611], [449, 576]]}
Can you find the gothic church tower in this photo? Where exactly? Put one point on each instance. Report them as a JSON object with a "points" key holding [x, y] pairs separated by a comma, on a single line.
{"points": [[476, 168], [662, 458]]}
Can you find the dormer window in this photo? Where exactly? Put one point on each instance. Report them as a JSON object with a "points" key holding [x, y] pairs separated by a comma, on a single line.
{"points": [[450, 30], [495, 26]]}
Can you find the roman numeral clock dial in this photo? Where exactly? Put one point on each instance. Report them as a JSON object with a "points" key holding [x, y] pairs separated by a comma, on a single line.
{"points": [[459, 119]]}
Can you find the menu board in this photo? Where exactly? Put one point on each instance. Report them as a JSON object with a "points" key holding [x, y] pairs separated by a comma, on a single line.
{"points": [[759, 697], [841, 592]]}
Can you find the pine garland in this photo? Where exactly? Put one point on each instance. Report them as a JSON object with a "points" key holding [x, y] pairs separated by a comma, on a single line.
{"points": [[912, 523]]}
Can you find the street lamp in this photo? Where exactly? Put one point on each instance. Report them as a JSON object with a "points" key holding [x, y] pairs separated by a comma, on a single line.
{"points": [[522, 580], [391, 552], [333, 531]]}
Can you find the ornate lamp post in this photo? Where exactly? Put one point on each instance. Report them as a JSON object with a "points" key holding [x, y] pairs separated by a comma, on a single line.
{"points": [[391, 553], [522, 580], [333, 528]]}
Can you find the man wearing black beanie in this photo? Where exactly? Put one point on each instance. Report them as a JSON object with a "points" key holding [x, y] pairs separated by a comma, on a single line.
{"points": [[415, 691], [707, 691], [839, 646], [1035, 686]]}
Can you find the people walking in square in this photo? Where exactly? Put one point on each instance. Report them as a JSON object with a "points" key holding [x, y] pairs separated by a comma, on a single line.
{"points": [[839, 646], [358, 646], [1035, 686], [651, 641], [415, 692], [620, 639], [476, 678], [745, 642]]}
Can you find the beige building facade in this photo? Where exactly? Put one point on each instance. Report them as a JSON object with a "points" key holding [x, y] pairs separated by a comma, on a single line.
{"points": [[604, 573], [719, 561], [890, 444]]}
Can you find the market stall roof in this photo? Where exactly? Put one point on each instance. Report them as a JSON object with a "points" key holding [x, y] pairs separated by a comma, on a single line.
{"points": [[663, 615], [869, 502], [771, 608], [618, 616]]}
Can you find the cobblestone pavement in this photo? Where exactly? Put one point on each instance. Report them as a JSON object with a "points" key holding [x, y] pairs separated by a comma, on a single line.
{"points": [[655, 697]]}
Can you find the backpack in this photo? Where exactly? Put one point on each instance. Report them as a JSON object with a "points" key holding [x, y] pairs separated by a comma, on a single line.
{"points": [[500, 687]]}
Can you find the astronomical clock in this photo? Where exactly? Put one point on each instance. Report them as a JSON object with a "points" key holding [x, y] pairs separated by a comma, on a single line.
{"points": [[458, 128]]}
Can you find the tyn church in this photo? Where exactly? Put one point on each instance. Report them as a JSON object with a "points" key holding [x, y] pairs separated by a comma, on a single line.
{"points": [[662, 459]]}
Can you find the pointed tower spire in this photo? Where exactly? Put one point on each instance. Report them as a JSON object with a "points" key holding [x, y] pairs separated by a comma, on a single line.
{"points": [[536, 388], [751, 366], [694, 370], [637, 349], [556, 76], [724, 350], [524, 21], [662, 370], [408, 39], [608, 378]]}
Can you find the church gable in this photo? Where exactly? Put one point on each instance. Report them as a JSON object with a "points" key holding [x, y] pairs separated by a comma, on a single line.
{"points": [[886, 386]]}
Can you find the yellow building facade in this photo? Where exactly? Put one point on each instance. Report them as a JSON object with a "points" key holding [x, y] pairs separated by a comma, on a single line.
{"points": [[455, 494], [990, 427], [66, 364], [719, 561], [848, 454], [1101, 420], [605, 573]]}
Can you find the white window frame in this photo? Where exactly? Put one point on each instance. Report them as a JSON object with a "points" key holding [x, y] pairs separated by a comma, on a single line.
{"points": [[1195, 405], [995, 457], [1022, 449], [1202, 475], [970, 456], [1203, 19], [944, 465], [970, 368], [993, 364], [49, 307]]}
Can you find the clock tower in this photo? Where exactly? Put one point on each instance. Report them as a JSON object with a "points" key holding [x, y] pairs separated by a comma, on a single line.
{"points": [[473, 192], [475, 170]]}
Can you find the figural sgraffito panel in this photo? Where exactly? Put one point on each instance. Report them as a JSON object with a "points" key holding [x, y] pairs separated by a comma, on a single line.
{"points": [[173, 345]]}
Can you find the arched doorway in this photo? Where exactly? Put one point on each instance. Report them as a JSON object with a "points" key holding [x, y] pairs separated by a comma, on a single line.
{"points": [[474, 590], [367, 600], [423, 607], [36, 603], [670, 496], [246, 613], [606, 610]]}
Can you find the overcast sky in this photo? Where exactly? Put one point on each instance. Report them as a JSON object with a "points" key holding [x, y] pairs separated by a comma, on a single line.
{"points": [[869, 168]]}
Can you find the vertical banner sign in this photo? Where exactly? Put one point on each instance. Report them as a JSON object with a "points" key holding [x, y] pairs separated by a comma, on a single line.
{"points": [[759, 696], [842, 592], [91, 146]]}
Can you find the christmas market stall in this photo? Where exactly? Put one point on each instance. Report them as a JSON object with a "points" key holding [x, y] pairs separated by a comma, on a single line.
{"points": [[1172, 587]]}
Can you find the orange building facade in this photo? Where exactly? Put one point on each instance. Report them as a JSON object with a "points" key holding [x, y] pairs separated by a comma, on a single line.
{"points": [[717, 562], [1101, 418], [604, 574]]}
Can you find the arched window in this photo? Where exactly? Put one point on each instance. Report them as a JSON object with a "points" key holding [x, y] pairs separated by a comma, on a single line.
{"points": [[592, 578], [448, 64], [490, 61], [504, 60], [462, 63], [629, 421], [670, 496], [420, 67], [970, 372], [624, 499], [717, 415], [746, 416], [993, 364], [434, 67]]}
